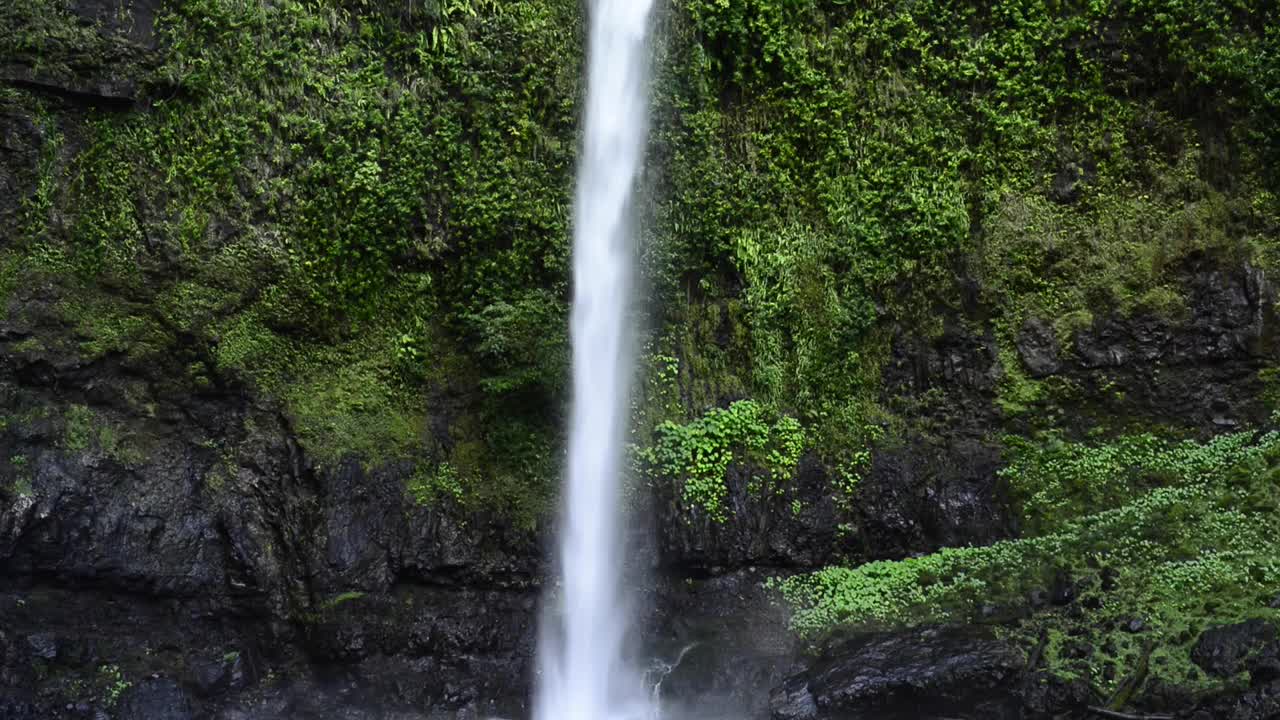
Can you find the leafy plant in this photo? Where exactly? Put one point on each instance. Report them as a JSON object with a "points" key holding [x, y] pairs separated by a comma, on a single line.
{"points": [[697, 455]]}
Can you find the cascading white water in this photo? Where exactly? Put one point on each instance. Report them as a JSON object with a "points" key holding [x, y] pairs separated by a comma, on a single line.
{"points": [[583, 669]]}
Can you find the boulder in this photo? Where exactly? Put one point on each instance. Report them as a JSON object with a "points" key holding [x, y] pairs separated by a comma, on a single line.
{"points": [[917, 674], [1038, 348], [1226, 651]]}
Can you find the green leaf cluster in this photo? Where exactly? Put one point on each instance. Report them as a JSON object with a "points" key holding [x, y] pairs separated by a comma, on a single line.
{"points": [[697, 455]]}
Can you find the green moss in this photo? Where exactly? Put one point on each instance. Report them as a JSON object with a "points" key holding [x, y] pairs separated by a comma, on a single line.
{"points": [[20, 486], [709, 370], [1018, 393], [427, 487], [79, 428], [341, 599], [105, 326], [85, 430], [1270, 378], [10, 273], [52, 38], [106, 234], [354, 409], [354, 208], [30, 345], [247, 346], [218, 477]]}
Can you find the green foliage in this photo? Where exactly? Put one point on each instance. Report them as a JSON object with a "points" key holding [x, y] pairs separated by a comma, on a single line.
{"points": [[1181, 554], [1056, 480], [360, 208], [1270, 378], [113, 684], [342, 205], [105, 326], [843, 156], [84, 430], [808, 325], [79, 429], [53, 41], [344, 401], [341, 599], [697, 455], [657, 398], [106, 235], [10, 271], [21, 486], [427, 487], [847, 475], [523, 344]]}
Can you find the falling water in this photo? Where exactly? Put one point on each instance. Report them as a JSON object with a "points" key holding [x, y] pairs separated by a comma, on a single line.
{"points": [[583, 669]]}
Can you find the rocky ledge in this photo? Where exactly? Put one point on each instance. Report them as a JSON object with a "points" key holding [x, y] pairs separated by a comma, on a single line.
{"points": [[967, 673]]}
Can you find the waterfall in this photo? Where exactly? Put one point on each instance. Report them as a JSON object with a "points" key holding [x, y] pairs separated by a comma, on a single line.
{"points": [[583, 669]]}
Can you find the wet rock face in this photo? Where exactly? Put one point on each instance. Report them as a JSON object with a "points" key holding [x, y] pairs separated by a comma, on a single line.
{"points": [[1038, 348], [931, 493], [1226, 651], [938, 485], [1201, 368], [104, 67], [1228, 312], [20, 143], [159, 558], [155, 700], [798, 529], [16, 705], [1262, 662], [923, 674], [721, 644], [962, 673]]}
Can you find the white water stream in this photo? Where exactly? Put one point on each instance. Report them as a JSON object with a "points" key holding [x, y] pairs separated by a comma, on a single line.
{"points": [[584, 673]]}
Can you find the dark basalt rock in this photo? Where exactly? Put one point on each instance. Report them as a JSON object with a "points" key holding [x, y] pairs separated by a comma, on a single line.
{"points": [[1226, 651], [125, 21], [1258, 703], [721, 644], [20, 143], [107, 73], [155, 700], [938, 486], [921, 674], [1201, 368], [763, 527], [1047, 696], [43, 646], [1038, 348], [106, 92], [16, 705], [931, 493], [1264, 665]]}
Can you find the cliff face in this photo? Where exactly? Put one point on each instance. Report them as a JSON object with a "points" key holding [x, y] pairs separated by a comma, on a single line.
{"points": [[282, 348]]}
